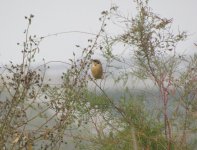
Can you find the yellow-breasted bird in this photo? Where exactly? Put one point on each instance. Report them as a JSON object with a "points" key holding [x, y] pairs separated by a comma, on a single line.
{"points": [[96, 69]]}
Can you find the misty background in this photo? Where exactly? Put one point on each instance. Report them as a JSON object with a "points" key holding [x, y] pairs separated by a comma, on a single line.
{"points": [[64, 15]]}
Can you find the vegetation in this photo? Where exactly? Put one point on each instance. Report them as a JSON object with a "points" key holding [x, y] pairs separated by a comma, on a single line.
{"points": [[38, 115]]}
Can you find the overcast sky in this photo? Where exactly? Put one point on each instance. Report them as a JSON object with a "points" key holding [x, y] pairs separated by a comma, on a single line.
{"points": [[52, 16]]}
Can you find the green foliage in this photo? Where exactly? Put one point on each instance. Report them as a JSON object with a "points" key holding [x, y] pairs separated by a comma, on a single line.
{"points": [[147, 130], [99, 102], [133, 129]]}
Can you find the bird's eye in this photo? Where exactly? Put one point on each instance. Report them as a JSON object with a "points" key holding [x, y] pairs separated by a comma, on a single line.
{"points": [[96, 61]]}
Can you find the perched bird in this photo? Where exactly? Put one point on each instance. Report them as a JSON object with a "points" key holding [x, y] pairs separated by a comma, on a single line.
{"points": [[97, 69]]}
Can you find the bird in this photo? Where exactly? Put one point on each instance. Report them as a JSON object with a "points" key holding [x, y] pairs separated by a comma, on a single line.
{"points": [[96, 69]]}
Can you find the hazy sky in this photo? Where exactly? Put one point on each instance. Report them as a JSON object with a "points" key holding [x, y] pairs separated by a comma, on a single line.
{"points": [[52, 16]]}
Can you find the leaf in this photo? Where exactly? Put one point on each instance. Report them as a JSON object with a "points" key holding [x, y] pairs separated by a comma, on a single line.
{"points": [[16, 139], [29, 144]]}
